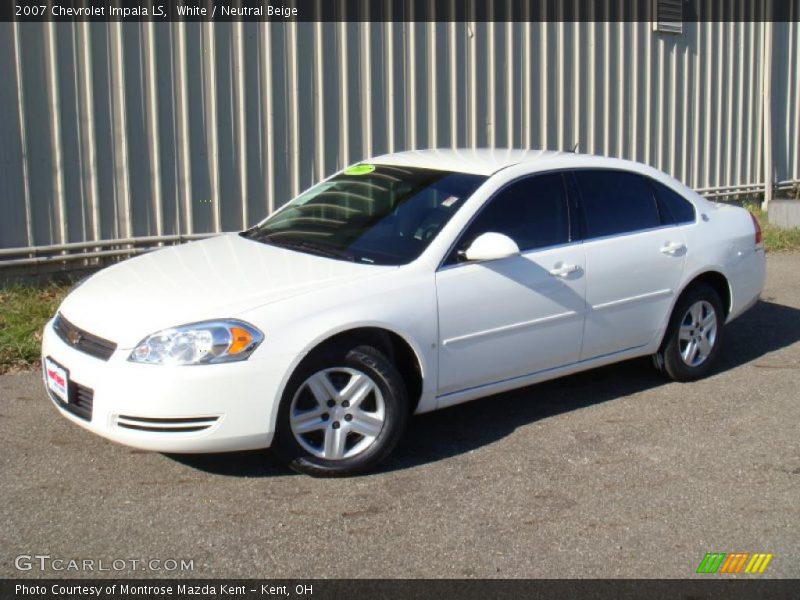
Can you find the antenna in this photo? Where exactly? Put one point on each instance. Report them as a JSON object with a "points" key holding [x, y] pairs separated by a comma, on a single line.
{"points": [[575, 148]]}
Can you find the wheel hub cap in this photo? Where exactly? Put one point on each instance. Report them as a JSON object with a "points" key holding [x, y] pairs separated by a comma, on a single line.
{"points": [[337, 413], [698, 333]]}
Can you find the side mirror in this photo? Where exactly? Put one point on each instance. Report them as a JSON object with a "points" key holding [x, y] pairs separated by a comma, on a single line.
{"points": [[491, 246]]}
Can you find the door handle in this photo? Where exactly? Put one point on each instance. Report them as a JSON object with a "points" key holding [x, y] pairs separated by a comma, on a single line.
{"points": [[564, 270], [673, 248]]}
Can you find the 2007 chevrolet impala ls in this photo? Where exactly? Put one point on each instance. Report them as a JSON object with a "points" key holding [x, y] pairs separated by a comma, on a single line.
{"points": [[404, 284]]}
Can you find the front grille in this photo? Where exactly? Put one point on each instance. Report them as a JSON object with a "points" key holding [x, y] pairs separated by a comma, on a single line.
{"points": [[81, 401], [166, 425], [83, 340]]}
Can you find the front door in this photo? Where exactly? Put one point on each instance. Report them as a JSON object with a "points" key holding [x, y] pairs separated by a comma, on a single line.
{"points": [[519, 315]]}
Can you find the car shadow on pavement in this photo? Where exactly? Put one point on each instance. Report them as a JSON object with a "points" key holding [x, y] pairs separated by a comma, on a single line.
{"points": [[432, 437]]}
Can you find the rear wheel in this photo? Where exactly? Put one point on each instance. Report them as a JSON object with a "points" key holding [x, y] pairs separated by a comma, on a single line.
{"points": [[342, 413], [692, 342]]}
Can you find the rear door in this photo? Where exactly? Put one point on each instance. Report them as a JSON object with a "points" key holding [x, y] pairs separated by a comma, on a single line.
{"points": [[635, 256]]}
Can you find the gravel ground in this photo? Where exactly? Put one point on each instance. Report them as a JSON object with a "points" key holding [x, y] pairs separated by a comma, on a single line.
{"points": [[610, 473]]}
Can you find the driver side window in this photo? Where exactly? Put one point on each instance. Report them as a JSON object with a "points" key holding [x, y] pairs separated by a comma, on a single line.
{"points": [[532, 211]]}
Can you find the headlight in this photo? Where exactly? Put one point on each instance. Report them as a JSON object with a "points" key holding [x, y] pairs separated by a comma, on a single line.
{"points": [[199, 343]]}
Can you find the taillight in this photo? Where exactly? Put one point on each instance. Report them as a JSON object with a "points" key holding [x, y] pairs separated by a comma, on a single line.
{"points": [[759, 239]]}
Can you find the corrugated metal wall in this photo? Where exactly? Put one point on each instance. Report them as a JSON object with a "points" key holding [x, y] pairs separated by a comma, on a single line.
{"points": [[115, 131]]}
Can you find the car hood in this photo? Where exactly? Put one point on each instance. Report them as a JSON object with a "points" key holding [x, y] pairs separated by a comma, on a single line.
{"points": [[214, 278]]}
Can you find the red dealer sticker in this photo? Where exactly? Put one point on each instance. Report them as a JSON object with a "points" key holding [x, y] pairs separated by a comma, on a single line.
{"points": [[57, 379]]}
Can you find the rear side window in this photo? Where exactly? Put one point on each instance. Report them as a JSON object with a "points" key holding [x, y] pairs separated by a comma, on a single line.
{"points": [[532, 211], [616, 202], [674, 208]]}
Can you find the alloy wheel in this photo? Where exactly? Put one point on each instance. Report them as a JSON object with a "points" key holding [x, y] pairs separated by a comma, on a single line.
{"points": [[337, 413], [698, 333]]}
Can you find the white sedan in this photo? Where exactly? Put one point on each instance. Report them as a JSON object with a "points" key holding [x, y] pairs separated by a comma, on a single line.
{"points": [[401, 285]]}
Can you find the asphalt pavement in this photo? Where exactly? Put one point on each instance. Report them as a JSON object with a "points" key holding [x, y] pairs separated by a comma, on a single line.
{"points": [[610, 473]]}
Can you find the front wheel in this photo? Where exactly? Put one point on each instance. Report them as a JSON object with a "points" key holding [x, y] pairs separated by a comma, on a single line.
{"points": [[692, 342], [342, 413]]}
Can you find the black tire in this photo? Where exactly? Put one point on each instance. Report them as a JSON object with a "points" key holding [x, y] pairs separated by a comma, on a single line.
{"points": [[392, 391], [669, 360]]}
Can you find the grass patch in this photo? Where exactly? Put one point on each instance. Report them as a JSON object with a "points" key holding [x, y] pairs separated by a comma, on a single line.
{"points": [[776, 239], [24, 309]]}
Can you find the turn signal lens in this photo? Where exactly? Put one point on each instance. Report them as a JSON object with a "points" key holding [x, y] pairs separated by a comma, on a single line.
{"points": [[240, 340]]}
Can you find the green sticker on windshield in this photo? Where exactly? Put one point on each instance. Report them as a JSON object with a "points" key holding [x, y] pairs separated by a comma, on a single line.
{"points": [[361, 169]]}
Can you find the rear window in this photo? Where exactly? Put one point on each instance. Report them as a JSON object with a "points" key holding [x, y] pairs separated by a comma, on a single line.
{"points": [[674, 208]]}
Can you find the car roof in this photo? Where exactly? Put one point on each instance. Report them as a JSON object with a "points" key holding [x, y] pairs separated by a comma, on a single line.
{"points": [[488, 161], [480, 161]]}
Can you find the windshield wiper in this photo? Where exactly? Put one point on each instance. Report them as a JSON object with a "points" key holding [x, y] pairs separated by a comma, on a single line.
{"points": [[302, 245]]}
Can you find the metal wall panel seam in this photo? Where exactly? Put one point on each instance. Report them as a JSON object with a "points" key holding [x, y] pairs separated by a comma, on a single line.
{"points": [[769, 175], [606, 88], [648, 124], [410, 67], [759, 117], [267, 117], [151, 117], [662, 133], [366, 84], [453, 75], [388, 73], [696, 110], [719, 142], [433, 89], [590, 88], [731, 87], [23, 137], [707, 93], [793, 65], [634, 95], [319, 97], [472, 84], [795, 89], [294, 117], [491, 82], [543, 91], [120, 133], [740, 98], [344, 103], [58, 199], [686, 112], [561, 95], [527, 77], [184, 163], [241, 120], [673, 106], [577, 131], [621, 97], [509, 71], [209, 100]]}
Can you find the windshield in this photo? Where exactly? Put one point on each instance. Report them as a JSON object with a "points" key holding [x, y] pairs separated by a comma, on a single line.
{"points": [[376, 214]]}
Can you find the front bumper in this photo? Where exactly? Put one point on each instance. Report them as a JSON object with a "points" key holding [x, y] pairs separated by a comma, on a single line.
{"points": [[202, 408]]}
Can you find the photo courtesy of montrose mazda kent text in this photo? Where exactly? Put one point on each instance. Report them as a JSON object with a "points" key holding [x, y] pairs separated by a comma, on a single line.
{"points": [[401, 285]]}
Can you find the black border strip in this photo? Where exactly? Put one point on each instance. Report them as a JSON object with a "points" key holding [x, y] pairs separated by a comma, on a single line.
{"points": [[392, 10], [405, 589]]}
